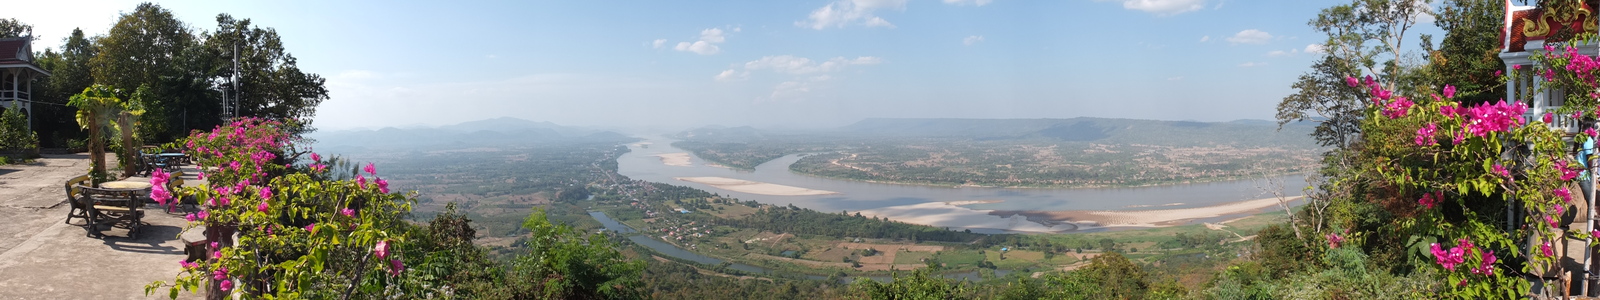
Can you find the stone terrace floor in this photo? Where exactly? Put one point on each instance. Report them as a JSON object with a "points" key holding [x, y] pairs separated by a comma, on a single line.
{"points": [[43, 258]]}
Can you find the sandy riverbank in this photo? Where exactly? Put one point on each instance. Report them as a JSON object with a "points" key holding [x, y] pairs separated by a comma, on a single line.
{"points": [[955, 215], [1145, 218], [753, 187], [674, 159]]}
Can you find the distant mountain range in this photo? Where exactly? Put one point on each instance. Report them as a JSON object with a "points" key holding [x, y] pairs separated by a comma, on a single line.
{"points": [[1082, 129], [500, 132]]}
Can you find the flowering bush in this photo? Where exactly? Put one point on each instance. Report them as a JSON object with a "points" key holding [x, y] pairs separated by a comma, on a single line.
{"points": [[1465, 166], [298, 233]]}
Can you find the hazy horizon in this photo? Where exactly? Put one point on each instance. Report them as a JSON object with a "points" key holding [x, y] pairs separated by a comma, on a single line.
{"points": [[809, 64]]}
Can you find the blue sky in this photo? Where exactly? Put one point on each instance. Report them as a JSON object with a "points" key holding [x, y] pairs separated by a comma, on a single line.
{"points": [[672, 65]]}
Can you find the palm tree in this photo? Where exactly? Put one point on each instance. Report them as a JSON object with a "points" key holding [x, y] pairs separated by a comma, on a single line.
{"points": [[127, 120], [96, 105]]}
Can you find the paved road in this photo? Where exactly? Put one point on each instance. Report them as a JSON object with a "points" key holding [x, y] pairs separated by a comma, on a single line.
{"points": [[43, 258]]}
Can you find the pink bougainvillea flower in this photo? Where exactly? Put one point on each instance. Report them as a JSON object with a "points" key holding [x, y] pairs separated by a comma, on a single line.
{"points": [[315, 157], [395, 266], [1429, 200], [1442, 256], [262, 207], [216, 254], [1497, 73], [1397, 108], [225, 285], [220, 273], [1590, 132], [1425, 135], [1499, 170], [318, 168], [1351, 81], [202, 215], [160, 195], [348, 212], [188, 265], [1546, 250], [1567, 172], [381, 250], [370, 169], [311, 227], [200, 176], [1564, 194], [1334, 240], [1449, 91], [1499, 117], [383, 185], [361, 181], [266, 193], [1548, 118], [1486, 267], [189, 217]]}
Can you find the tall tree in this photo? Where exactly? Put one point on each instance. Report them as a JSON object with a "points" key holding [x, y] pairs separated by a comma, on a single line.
{"points": [[271, 84], [69, 75], [10, 28], [97, 105], [150, 46], [1468, 56]]}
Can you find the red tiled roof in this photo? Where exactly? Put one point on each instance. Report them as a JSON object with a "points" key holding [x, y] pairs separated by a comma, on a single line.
{"points": [[9, 47], [1536, 25]]}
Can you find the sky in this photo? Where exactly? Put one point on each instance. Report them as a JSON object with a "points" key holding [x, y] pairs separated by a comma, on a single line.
{"points": [[672, 65]]}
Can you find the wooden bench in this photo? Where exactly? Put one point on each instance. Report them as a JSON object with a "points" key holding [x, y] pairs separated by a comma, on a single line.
{"points": [[115, 206], [76, 208]]}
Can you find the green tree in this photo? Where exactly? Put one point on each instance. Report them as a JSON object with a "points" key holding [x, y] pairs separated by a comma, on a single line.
{"points": [[97, 106], [10, 28], [69, 75], [14, 134], [149, 46], [1468, 56], [921, 284], [1108, 276], [563, 264], [271, 84]]}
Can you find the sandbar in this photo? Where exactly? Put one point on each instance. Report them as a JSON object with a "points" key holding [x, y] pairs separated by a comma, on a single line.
{"points": [[754, 187], [1145, 218], [675, 159]]}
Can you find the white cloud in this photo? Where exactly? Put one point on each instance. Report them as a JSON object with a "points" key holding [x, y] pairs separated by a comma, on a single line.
{"points": [[731, 75], [1314, 48], [1205, 39], [1252, 64], [707, 45], [965, 2], [846, 12], [1163, 7], [972, 40], [712, 35], [1281, 53], [698, 47], [800, 65], [1250, 36], [658, 43]]}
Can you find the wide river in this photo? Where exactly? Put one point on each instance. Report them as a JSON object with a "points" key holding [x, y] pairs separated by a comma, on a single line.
{"points": [[900, 202]]}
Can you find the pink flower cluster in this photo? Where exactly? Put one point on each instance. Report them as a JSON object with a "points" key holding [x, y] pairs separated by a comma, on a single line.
{"points": [[1457, 255], [1498, 117], [1393, 107], [1567, 172], [158, 186], [1334, 240], [1425, 135], [1431, 199]]}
